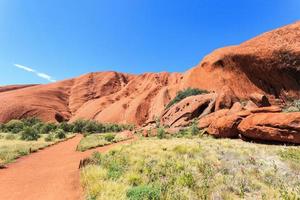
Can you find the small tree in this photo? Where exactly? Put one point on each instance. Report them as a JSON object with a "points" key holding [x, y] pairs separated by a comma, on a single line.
{"points": [[161, 133], [109, 137], [29, 134], [78, 126], [47, 128], [60, 134], [194, 128], [185, 93], [14, 126]]}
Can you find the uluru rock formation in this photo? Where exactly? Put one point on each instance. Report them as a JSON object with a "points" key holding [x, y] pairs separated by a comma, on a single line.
{"points": [[268, 65]]}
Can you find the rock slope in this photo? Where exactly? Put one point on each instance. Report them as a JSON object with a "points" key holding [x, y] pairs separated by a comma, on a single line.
{"points": [[268, 64]]}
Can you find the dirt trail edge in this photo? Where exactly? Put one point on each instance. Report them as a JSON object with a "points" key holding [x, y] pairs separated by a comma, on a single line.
{"points": [[50, 174]]}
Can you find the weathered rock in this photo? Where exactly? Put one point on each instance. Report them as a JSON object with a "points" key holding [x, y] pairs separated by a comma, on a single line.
{"points": [[269, 109], [189, 108], [280, 127], [250, 105], [205, 121], [237, 107], [260, 100], [225, 99], [267, 64], [225, 127]]}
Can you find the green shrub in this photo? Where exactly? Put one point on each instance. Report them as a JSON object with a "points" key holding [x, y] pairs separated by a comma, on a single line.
{"points": [[115, 171], [161, 133], [47, 128], [31, 121], [14, 126], [92, 127], [185, 93], [2, 127], [29, 134], [187, 180], [78, 126], [291, 154], [49, 138], [66, 127], [60, 134], [194, 128], [143, 193], [109, 137]]}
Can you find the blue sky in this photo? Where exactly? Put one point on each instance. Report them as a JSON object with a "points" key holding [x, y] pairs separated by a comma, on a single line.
{"points": [[47, 40]]}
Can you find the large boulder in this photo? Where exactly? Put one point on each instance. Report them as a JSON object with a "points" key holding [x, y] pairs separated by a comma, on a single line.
{"points": [[182, 113], [225, 98], [279, 127], [237, 107], [225, 127], [224, 123], [205, 121], [260, 100]]}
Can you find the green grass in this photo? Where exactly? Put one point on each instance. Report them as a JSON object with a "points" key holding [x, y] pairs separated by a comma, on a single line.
{"points": [[98, 140], [196, 168], [11, 147]]}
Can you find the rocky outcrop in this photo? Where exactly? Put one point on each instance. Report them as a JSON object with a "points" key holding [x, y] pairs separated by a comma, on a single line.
{"points": [[268, 65], [205, 121], [189, 108], [260, 100], [225, 127], [224, 123], [280, 127]]}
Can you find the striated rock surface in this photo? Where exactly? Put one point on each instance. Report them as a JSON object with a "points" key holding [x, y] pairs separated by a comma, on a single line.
{"points": [[281, 127], [225, 127], [189, 108], [268, 64], [205, 121]]}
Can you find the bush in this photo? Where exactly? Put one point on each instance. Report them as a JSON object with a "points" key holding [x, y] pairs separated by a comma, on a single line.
{"points": [[66, 127], [143, 193], [29, 134], [161, 133], [31, 121], [60, 134], [47, 128], [109, 137], [185, 93], [78, 126], [92, 127], [115, 171], [194, 128], [14, 126], [49, 138]]}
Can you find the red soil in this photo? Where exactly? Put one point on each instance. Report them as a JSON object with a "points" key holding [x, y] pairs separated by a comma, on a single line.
{"points": [[50, 174]]}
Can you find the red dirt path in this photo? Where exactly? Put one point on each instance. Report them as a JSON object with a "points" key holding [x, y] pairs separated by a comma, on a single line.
{"points": [[50, 174]]}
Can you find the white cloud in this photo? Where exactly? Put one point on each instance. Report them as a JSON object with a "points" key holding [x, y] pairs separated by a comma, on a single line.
{"points": [[39, 74], [25, 68]]}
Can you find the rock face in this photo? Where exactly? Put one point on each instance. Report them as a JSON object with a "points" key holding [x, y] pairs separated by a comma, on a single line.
{"points": [[268, 64], [225, 127], [189, 108], [281, 127], [205, 121]]}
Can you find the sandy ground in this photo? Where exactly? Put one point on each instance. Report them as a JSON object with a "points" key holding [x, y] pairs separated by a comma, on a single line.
{"points": [[50, 174]]}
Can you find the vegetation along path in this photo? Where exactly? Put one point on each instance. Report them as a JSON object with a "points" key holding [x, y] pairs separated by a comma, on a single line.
{"points": [[48, 174]]}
